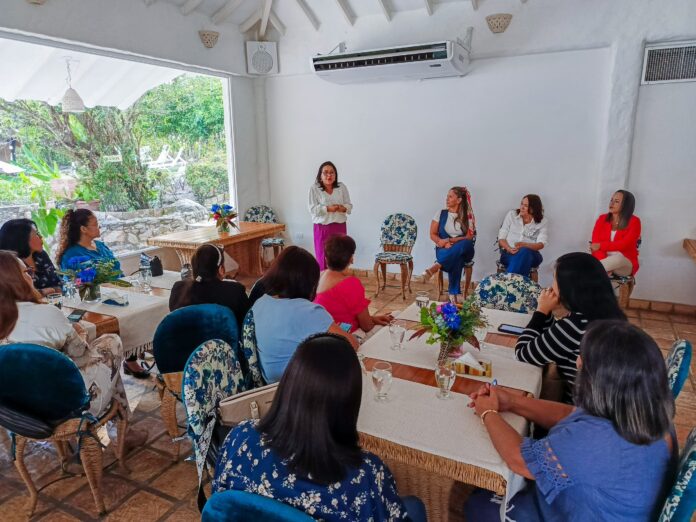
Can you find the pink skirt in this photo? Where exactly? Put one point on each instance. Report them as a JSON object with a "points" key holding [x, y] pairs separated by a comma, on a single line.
{"points": [[321, 234]]}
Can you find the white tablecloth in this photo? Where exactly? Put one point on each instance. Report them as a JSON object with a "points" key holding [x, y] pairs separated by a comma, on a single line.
{"points": [[414, 417], [166, 280], [138, 321], [494, 317]]}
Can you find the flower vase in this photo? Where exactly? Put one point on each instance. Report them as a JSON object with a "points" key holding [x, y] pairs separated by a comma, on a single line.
{"points": [[223, 227], [448, 349], [91, 293]]}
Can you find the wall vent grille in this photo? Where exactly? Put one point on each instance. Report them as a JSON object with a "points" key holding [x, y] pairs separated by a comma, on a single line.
{"points": [[669, 63]]}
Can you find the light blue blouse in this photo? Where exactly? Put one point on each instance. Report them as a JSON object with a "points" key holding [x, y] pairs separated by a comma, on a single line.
{"points": [[282, 324], [102, 253]]}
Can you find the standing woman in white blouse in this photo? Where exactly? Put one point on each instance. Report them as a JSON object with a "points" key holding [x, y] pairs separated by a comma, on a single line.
{"points": [[523, 233], [329, 204]]}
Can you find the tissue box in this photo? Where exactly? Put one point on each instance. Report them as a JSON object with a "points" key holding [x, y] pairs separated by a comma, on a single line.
{"points": [[464, 369]]}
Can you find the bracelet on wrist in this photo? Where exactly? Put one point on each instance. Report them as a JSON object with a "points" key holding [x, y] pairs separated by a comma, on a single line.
{"points": [[483, 415]]}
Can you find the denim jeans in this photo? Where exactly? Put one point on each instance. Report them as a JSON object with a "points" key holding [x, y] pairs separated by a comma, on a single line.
{"points": [[522, 262]]}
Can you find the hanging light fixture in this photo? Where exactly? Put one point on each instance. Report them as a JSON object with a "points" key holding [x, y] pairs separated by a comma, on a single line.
{"points": [[71, 100]]}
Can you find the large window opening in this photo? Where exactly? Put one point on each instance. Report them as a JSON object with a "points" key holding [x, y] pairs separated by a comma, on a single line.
{"points": [[149, 152]]}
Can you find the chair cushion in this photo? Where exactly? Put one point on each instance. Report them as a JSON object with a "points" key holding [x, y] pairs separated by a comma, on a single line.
{"points": [[240, 505], [25, 425], [212, 373], [678, 363], [270, 241], [185, 329], [510, 292], [260, 214], [393, 257], [681, 501], [399, 229], [41, 382], [250, 352]]}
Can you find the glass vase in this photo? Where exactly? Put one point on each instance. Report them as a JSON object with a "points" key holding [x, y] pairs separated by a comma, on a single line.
{"points": [[91, 293], [447, 348], [223, 227]]}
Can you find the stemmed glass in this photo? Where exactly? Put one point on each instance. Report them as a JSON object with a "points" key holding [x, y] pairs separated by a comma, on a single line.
{"points": [[145, 278], [396, 333], [444, 375], [381, 380], [422, 299]]}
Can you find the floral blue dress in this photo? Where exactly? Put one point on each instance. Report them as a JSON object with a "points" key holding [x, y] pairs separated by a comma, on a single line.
{"points": [[367, 493]]}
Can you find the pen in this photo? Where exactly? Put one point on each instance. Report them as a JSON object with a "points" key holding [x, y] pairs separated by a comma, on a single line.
{"points": [[494, 382]]}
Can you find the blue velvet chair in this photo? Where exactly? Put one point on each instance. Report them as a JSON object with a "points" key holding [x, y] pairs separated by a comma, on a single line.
{"points": [[240, 506], [678, 365], [176, 337], [212, 373], [43, 397], [680, 505]]}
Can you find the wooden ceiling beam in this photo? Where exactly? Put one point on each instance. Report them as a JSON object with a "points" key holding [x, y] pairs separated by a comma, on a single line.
{"points": [[225, 11], [265, 13], [429, 7], [190, 6], [385, 9], [309, 14], [346, 10]]}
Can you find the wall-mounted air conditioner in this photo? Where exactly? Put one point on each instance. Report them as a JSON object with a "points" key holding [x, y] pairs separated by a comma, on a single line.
{"points": [[669, 62], [407, 62]]}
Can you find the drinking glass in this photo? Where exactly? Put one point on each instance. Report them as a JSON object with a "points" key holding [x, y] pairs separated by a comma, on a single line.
{"points": [[422, 299], [444, 375], [381, 380], [55, 299], [145, 279], [69, 291], [397, 333], [480, 334]]}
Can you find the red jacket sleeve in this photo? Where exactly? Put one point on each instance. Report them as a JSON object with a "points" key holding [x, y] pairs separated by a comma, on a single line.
{"points": [[628, 241], [598, 236]]}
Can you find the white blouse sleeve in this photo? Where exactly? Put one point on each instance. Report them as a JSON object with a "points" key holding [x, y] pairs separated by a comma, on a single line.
{"points": [[346, 199], [505, 227], [316, 209], [543, 236]]}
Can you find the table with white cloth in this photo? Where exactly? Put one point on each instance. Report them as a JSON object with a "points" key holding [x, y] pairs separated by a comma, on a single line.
{"points": [[166, 280], [435, 446], [135, 323]]}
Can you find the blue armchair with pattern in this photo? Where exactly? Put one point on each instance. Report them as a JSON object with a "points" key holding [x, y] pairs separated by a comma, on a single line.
{"points": [[397, 237], [680, 505], [254, 378], [265, 214], [509, 292], [212, 373], [678, 365]]}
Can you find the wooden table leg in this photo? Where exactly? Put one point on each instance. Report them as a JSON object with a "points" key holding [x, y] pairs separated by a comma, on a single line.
{"points": [[248, 255]]}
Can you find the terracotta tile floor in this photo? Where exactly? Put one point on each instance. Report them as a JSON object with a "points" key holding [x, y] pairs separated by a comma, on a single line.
{"points": [[158, 489]]}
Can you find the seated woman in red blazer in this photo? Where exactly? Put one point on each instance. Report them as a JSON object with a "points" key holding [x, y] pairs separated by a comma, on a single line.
{"points": [[616, 234]]}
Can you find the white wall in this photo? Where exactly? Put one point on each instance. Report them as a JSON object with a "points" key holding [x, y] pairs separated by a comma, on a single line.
{"points": [[664, 182], [512, 126]]}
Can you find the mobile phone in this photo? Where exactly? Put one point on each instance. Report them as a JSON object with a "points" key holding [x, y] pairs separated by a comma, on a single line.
{"points": [[76, 315], [345, 327], [511, 329]]}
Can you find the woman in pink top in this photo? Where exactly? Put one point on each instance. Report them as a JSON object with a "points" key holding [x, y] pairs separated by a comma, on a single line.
{"points": [[343, 295]]}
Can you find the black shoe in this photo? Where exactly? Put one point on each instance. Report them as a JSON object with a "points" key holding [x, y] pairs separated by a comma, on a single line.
{"points": [[142, 374]]}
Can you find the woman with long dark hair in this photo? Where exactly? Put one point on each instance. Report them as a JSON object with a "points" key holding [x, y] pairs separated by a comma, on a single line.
{"points": [[453, 230], [612, 457], [208, 285], [522, 235], [329, 205], [305, 452], [286, 315], [22, 237], [616, 234], [582, 287]]}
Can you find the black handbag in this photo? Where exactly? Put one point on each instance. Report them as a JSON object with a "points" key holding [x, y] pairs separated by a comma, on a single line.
{"points": [[23, 424], [156, 266]]}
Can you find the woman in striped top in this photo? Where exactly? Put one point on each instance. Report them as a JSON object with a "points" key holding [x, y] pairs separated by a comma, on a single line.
{"points": [[582, 287]]}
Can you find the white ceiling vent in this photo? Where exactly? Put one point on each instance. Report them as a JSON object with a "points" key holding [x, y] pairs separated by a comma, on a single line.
{"points": [[262, 58], [669, 63]]}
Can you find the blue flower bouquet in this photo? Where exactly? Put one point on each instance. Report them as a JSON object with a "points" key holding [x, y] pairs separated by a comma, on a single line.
{"points": [[224, 216], [88, 274]]}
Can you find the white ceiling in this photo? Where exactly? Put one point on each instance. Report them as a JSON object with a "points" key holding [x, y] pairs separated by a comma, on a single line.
{"points": [[37, 72], [292, 13]]}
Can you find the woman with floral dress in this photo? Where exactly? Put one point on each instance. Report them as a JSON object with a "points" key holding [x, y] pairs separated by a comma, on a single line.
{"points": [[305, 451]]}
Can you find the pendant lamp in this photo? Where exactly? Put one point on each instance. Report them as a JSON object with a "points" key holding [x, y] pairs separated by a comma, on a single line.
{"points": [[71, 100]]}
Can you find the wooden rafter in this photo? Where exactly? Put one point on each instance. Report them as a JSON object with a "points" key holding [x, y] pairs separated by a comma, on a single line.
{"points": [[474, 4], [429, 7], [309, 14], [385, 9], [250, 22], [277, 23], [265, 13], [346, 10], [190, 6], [225, 11]]}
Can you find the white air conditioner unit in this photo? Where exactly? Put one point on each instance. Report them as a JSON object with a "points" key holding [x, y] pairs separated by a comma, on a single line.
{"points": [[262, 57], [407, 62]]}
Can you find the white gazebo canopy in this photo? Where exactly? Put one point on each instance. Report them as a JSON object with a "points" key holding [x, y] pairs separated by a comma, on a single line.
{"points": [[38, 72]]}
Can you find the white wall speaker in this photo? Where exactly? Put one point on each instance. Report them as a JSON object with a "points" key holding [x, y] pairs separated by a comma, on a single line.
{"points": [[262, 57]]}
